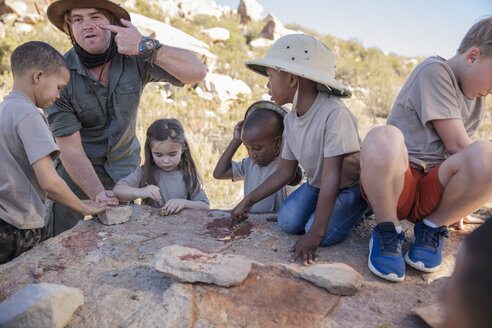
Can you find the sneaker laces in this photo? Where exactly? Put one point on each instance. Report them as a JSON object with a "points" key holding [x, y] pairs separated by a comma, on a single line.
{"points": [[391, 241], [432, 237]]}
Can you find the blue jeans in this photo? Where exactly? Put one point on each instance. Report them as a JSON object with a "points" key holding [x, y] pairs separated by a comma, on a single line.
{"points": [[296, 215]]}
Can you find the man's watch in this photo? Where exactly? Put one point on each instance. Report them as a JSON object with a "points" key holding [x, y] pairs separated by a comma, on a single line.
{"points": [[148, 49]]}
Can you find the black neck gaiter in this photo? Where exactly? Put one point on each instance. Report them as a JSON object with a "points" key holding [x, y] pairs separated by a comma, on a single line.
{"points": [[94, 60]]}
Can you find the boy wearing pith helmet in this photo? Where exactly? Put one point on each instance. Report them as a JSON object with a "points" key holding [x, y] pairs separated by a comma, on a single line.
{"points": [[321, 135], [423, 165]]}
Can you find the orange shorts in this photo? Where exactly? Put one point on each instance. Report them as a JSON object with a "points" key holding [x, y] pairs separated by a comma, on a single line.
{"points": [[420, 196]]}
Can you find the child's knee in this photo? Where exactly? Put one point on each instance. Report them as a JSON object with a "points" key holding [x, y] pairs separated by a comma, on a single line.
{"points": [[331, 239], [289, 222], [479, 161]]}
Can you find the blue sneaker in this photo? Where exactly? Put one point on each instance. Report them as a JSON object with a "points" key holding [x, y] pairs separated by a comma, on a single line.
{"points": [[385, 258], [426, 253]]}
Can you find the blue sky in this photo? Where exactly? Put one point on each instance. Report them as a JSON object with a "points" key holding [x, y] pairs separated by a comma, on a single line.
{"points": [[410, 28]]}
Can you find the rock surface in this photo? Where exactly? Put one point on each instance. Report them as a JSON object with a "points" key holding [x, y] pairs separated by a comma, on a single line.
{"points": [[187, 264], [337, 278], [116, 215], [112, 265], [217, 34], [41, 305]]}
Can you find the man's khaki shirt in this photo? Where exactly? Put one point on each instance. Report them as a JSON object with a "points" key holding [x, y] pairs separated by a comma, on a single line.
{"points": [[105, 117]]}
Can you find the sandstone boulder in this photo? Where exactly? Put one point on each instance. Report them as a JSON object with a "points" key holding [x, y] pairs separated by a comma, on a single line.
{"points": [[40, 305], [169, 35], [337, 278], [274, 29], [116, 215], [225, 87], [187, 264], [217, 34], [249, 10]]}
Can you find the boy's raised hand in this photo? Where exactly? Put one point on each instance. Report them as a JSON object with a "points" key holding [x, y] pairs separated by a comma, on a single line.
{"points": [[307, 246], [127, 37], [237, 130]]}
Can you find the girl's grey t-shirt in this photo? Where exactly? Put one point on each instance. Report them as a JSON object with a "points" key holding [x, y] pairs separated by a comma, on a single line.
{"points": [[430, 93], [254, 175], [328, 129], [171, 185], [24, 139]]}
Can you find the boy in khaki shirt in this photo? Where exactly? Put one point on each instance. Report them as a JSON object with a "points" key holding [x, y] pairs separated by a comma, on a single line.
{"points": [[423, 166], [27, 149], [321, 135]]}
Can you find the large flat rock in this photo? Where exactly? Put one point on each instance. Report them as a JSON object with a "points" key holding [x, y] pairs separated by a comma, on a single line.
{"points": [[112, 265]]}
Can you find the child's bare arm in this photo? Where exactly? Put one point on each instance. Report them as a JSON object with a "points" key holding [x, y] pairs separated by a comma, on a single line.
{"points": [[223, 169], [307, 244], [176, 205], [59, 192], [453, 134], [126, 193], [283, 174]]}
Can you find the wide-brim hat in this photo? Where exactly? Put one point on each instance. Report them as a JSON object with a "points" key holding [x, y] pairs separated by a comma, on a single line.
{"points": [[265, 104], [305, 56], [58, 8]]}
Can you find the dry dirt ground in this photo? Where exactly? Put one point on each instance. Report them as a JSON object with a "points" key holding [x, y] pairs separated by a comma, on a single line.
{"points": [[112, 265]]}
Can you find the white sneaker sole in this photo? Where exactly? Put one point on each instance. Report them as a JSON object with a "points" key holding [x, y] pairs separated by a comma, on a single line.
{"points": [[420, 265], [391, 277]]}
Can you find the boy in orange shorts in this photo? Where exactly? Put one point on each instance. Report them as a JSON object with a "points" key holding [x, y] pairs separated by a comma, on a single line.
{"points": [[423, 166]]}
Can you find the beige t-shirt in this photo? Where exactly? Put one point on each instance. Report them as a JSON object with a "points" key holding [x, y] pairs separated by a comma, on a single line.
{"points": [[432, 93], [254, 175], [328, 129], [171, 185], [25, 138]]}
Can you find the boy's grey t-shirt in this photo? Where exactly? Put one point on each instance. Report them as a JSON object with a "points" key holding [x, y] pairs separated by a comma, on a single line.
{"points": [[254, 175], [171, 185], [432, 93], [24, 139], [328, 129]]}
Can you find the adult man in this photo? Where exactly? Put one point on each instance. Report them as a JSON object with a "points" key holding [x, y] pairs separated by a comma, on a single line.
{"points": [[94, 120]]}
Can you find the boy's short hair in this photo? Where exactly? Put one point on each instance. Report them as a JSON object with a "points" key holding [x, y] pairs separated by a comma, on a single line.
{"points": [[479, 35], [36, 55], [266, 119], [475, 281]]}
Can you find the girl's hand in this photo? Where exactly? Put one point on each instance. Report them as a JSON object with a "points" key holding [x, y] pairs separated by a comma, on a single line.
{"points": [[174, 206], [237, 130], [150, 191], [91, 207], [307, 246]]}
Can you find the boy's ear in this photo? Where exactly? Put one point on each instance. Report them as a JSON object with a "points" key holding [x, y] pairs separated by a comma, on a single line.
{"points": [[293, 80], [37, 76], [472, 55]]}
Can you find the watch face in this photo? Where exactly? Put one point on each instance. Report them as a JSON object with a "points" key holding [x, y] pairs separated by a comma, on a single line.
{"points": [[149, 44]]}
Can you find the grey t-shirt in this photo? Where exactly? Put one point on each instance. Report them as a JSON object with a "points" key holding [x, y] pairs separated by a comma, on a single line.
{"points": [[171, 185], [432, 92], [253, 176], [24, 139], [328, 129]]}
